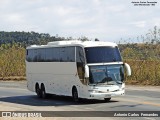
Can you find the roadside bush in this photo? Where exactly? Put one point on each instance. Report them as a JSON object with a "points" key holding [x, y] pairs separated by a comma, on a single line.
{"points": [[145, 72]]}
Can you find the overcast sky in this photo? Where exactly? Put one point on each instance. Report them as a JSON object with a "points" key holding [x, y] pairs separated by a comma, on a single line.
{"points": [[107, 20]]}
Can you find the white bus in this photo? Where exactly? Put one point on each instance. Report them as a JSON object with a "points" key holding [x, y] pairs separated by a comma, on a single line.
{"points": [[89, 69]]}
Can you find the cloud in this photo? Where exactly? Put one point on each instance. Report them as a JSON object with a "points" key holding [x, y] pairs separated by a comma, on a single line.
{"points": [[140, 24], [15, 18], [156, 21], [106, 20]]}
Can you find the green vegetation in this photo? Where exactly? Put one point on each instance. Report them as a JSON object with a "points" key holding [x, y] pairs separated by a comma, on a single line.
{"points": [[26, 38], [12, 62], [146, 72], [144, 58]]}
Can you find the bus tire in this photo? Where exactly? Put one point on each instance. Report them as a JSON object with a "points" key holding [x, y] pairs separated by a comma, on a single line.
{"points": [[43, 91], [38, 91], [75, 94], [107, 99]]}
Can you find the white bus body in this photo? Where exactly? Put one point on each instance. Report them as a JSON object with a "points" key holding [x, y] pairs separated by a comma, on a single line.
{"points": [[89, 69]]}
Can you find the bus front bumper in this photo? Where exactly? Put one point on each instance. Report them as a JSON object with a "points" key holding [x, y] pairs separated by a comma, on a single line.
{"points": [[97, 95]]}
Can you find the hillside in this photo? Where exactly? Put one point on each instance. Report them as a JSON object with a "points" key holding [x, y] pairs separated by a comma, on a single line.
{"points": [[26, 38]]}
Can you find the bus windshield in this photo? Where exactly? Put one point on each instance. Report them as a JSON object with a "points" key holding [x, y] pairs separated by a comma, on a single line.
{"points": [[108, 74], [102, 54]]}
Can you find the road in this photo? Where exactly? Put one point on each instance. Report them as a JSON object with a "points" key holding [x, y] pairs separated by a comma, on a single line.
{"points": [[15, 97]]}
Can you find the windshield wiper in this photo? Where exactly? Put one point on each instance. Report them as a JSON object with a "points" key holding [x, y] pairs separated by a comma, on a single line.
{"points": [[106, 79]]}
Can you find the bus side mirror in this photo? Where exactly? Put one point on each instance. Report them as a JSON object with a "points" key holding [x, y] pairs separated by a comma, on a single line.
{"points": [[128, 69], [86, 71]]}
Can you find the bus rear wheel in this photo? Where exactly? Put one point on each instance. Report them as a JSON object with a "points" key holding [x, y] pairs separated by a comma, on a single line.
{"points": [[43, 92], [38, 91], [75, 95]]}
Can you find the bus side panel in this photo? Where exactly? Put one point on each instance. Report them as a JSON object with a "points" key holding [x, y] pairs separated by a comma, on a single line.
{"points": [[30, 82], [58, 77]]}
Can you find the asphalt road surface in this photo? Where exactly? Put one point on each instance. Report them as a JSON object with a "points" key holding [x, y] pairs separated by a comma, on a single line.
{"points": [[15, 97]]}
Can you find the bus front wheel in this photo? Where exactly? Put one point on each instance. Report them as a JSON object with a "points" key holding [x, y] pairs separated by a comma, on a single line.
{"points": [[75, 95], [107, 99]]}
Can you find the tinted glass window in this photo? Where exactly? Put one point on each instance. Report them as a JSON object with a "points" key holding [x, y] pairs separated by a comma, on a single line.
{"points": [[110, 74], [30, 54], [35, 55], [41, 55], [67, 54], [80, 55], [102, 54], [52, 54], [80, 63], [57, 54]]}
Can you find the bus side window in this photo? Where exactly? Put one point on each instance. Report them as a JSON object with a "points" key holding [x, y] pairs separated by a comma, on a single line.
{"points": [[30, 55], [70, 54], [67, 54], [26, 52], [41, 55], [80, 63], [35, 55]]}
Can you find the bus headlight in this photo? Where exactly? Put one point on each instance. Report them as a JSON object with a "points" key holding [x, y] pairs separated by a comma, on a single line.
{"points": [[93, 91], [122, 88]]}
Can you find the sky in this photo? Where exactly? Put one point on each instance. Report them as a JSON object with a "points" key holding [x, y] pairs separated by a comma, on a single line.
{"points": [[107, 20]]}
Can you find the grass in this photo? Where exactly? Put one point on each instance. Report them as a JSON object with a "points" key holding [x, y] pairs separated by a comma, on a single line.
{"points": [[13, 78], [144, 72]]}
